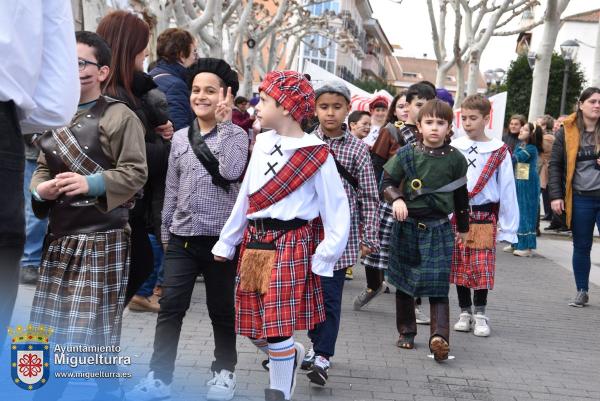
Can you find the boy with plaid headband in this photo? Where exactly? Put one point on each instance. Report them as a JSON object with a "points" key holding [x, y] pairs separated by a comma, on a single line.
{"points": [[353, 162], [291, 181]]}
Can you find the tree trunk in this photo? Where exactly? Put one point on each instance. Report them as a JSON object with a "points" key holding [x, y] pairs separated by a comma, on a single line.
{"points": [[250, 62], [442, 73], [460, 84], [473, 76], [596, 76], [92, 13], [541, 71]]}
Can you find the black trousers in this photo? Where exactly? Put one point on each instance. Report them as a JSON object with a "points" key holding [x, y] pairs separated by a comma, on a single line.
{"points": [[374, 277], [464, 297], [12, 211], [185, 258], [141, 264]]}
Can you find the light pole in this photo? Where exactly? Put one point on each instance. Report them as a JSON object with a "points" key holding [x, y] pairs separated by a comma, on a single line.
{"points": [[498, 75], [568, 49], [489, 78]]}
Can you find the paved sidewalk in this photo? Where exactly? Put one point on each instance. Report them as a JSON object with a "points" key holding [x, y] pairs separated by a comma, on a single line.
{"points": [[540, 348]]}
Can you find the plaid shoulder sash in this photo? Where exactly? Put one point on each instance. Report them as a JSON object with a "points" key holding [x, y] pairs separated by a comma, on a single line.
{"points": [[72, 155], [489, 169], [303, 164]]}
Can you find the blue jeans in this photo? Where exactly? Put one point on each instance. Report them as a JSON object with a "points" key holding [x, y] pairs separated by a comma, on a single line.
{"points": [[325, 334], [157, 276], [586, 212], [35, 229]]}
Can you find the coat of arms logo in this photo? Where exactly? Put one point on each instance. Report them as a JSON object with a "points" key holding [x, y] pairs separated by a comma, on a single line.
{"points": [[30, 356]]}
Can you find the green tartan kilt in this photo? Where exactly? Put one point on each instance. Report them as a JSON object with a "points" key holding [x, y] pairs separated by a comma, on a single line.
{"points": [[421, 258]]}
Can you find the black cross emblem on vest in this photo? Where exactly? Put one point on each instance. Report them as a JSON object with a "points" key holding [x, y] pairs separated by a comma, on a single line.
{"points": [[473, 149], [471, 162], [277, 149], [271, 168]]}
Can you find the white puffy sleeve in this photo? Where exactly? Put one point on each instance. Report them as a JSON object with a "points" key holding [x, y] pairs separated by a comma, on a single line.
{"points": [[335, 214], [508, 217]]}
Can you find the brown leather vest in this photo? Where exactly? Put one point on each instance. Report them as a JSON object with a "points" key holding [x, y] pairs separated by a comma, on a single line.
{"points": [[78, 214]]}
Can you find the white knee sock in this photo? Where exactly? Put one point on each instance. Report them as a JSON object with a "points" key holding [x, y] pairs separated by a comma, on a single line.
{"points": [[261, 344], [281, 369]]}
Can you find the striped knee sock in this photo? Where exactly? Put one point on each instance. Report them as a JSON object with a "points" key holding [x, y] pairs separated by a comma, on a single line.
{"points": [[261, 344], [281, 371]]}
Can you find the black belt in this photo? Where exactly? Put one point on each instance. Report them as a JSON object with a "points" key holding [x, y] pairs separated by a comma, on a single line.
{"points": [[276, 224], [591, 194], [486, 207]]}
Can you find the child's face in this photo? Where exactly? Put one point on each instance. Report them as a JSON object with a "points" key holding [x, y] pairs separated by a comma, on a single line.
{"points": [[268, 112], [378, 115], [524, 133], [91, 76], [401, 110], [205, 95], [331, 110], [473, 121], [413, 108], [434, 130], [362, 127], [514, 126]]}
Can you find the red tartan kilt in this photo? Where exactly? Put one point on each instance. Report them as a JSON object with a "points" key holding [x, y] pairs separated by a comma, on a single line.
{"points": [[474, 268], [294, 300]]}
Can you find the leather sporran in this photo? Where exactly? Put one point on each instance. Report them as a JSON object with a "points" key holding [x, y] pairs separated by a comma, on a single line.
{"points": [[255, 269], [481, 235], [522, 172]]}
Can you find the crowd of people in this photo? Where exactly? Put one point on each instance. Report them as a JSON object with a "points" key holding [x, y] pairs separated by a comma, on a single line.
{"points": [[158, 178]]}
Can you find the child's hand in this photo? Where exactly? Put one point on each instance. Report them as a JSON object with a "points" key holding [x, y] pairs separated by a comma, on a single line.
{"points": [[399, 209], [220, 258], [48, 190], [224, 106], [365, 250], [461, 238], [165, 130], [72, 184]]}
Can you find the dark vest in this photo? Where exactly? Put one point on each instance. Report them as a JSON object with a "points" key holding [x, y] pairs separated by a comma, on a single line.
{"points": [[65, 218]]}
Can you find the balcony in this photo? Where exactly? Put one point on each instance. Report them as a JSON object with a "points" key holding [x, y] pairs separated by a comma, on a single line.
{"points": [[372, 66]]}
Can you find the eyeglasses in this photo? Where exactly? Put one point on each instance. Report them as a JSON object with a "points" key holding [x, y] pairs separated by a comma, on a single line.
{"points": [[83, 63]]}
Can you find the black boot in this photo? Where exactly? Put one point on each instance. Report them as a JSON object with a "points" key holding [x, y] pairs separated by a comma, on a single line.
{"points": [[439, 342], [406, 321]]}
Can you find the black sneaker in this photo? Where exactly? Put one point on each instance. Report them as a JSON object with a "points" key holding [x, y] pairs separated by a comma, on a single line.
{"points": [[274, 395], [318, 375], [29, 275]]}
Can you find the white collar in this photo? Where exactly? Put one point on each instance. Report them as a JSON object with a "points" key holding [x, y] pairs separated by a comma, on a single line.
{"points": [[267, 140], [464, 143]]}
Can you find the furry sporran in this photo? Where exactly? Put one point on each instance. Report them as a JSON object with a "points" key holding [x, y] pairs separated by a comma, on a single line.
{"points": [[257, 262]]}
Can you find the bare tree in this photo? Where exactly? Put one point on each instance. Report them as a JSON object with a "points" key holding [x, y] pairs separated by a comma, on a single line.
{"points": [[596, 76], [541, 71]]}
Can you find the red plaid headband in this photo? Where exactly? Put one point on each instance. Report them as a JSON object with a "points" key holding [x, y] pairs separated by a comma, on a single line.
{"points": [[292, 91]]}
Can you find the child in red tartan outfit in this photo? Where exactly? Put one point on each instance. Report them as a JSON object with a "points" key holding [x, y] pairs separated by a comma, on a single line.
{"points": [[493, 200], [290, 182]]}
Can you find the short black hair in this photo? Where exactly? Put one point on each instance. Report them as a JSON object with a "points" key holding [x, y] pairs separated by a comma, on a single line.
{"points": [[95, 41], [424, 90], [239, 100], [356, 115]]}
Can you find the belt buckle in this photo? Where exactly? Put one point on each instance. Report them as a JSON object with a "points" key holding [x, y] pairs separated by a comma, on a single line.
{"points": [[421, 226], [416, 184]]}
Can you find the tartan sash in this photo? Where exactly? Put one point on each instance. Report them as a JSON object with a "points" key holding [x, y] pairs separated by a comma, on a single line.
{"points": [[489, 169], [72, 155], [303, 164]]}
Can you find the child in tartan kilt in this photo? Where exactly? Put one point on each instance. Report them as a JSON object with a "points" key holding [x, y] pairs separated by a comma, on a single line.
{"points": [[400, 130], [493, 203], [291, 181], [425, 182], [351, 156]]}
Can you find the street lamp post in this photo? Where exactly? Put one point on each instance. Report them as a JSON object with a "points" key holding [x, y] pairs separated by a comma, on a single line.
{"points": [[493, 76], [568, 50]]}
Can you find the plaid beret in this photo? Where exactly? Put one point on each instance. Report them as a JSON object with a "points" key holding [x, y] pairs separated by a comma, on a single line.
{"points": [[292, 91]]}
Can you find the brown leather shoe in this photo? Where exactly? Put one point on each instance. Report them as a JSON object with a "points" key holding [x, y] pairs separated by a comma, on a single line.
{"points": [[440, 330], [144, 304]]}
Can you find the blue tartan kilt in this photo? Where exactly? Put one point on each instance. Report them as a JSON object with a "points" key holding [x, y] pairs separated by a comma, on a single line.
{"points": [[421, 257]]}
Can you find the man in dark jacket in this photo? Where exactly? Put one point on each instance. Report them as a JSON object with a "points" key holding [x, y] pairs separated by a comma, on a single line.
{"points": [[176, 51]]}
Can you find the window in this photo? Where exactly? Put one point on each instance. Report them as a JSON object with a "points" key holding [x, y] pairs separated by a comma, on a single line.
{"points": [[410, 74]]}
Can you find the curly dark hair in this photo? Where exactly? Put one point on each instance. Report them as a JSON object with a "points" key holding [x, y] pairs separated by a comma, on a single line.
{"points": [[173, 43]]}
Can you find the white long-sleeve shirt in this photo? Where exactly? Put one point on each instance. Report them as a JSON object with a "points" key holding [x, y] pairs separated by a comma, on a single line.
{"points": [[323, 194], [499, 189], [38, 62]]}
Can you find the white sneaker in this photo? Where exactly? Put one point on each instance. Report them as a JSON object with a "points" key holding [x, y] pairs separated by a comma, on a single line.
{"points": [[421, 317], [482, 329], [525, 253], [508, 249], [465, 322], [150, 389], [222, 386]]}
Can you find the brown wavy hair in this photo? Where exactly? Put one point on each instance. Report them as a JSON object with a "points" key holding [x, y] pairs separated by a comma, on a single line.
{"points": [[174, 43], [127, 35]]}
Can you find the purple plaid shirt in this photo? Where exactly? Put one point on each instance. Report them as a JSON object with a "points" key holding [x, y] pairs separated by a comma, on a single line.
{"points": [[193, 204], [354, 155]]}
